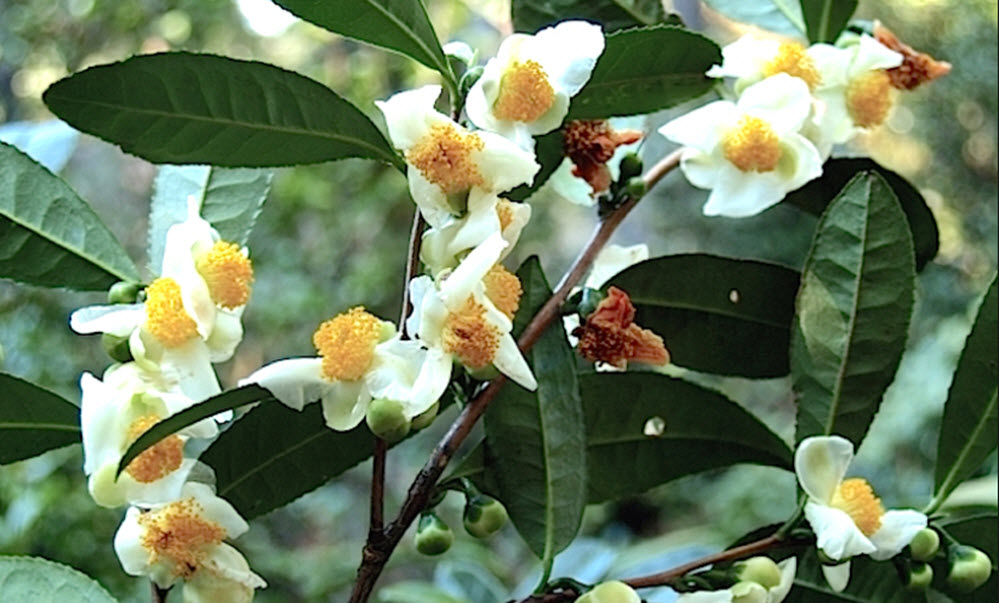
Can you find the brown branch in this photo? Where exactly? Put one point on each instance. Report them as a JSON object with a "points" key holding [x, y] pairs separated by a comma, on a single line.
{"points": [[412, 266], [739, 552]]}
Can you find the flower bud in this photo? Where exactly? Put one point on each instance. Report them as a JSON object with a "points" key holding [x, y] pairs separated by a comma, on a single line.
{"points": [[610, 592], [433, 535], [748, 592], [969, 568], [921, 575], [761, 570], [483, 516], [116, 347], [631, 165], [924, 545], [636, 187], [425, 418], [123, 293], [386, 420]]}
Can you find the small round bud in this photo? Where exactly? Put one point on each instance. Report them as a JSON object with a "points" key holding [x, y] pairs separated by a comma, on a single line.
{"points": [[761, 570], [123, 293], [611, 592], [636, 187], [469, 79], [483, 516], [425, 418], [921, 575], [116, 347], [925, 545], [386, 420], [434, 537], [969, 568], [631, 165]]}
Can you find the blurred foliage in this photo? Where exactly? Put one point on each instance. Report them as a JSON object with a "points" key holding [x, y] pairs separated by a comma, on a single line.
{"points": [[332, 236]]}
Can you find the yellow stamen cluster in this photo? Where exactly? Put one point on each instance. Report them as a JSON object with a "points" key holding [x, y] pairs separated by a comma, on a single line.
{"points": [[854, 496], [752, 146], [505, 213], [165, 315], [525, 93], [157, 461], [793, 60], [179, 535], [347, 344], [444, 156], [468, 336], [228, 273], [869, 98], [503, 289]]}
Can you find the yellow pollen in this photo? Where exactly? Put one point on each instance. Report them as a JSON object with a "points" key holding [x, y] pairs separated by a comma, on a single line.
{"points": [[869, 98], [752, 146], [503, 289], [525, 93], [444, 156], [793, 60], [157, 461], [469, 337], [178, 535], [505, 213], [165, 315], [228, 274], [854, 496], [347, 344]]}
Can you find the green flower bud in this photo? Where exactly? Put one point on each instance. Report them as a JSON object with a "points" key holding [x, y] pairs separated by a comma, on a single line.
{"points": [[433, 535], [116, 347], [969, 568], [610, 592], [631, 165], [483, 516], [925, 545], [748, 592], [921, 575], [636, 187], [425, 418], [762, 570], [123, 293], [386, 420]]}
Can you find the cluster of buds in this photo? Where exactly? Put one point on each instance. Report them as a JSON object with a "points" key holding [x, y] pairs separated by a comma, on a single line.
{"points": [[482, 517]]}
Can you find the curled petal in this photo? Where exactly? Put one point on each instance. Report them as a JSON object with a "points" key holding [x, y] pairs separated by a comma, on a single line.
{"points": [[119, 320], [510, 362], [897, 529], [294, 382], [836, 533], [820, 464], [345, 404], [837, 576]]}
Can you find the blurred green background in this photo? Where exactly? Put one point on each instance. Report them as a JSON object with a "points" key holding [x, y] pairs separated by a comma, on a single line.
{"points": [[334, 235]]}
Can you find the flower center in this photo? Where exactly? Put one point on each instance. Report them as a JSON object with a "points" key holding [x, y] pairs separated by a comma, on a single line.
{"points": [[793, 60], [228, 273], [854, 496], [157, 461], [505, 213], [468, 336], [178, 533], [869, 98], [503, 289], [752, 146], [347, 344], [444, 156], [525, 93], [165, 315]]}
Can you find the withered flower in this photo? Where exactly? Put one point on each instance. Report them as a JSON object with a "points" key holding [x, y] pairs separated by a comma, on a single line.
{"points": [[610, 336], [590, 144], [917, 67]]}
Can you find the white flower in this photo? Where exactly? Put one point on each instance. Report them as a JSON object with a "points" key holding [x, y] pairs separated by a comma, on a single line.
{"points": [[747, 591], [447, 161], [183, 540], [749, 153], [751, 59], [468, 313], [358, 363], [845, 514], [525, 90]]}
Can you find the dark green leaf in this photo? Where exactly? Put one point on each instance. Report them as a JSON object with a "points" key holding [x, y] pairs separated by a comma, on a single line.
{"points": [[535, 440], [230, 199], [33, 420], [531, 15], [716, 314], [870, 581], [852, 310], [979, 530], [43, 581], [779, 16], [182, 107], [646, 69], [969, 427], [400, 25], [548, 153], [815, 196], [235, 398], [49, 236], [825, 19]]}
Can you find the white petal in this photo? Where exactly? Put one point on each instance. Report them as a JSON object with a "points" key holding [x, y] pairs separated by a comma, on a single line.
{"points": [[745, 58], [191, 366], [128, 546], [224, 577], [612, 260], [821, 463], [119, 319], [871, 55], [407, 372], [345, 404], [509, 361], [216, 509], [441, 245], [707, 596], [896, 531], [226, 334], [421, 288], [704, 127], [837, 576], [408, 115], [804, 159], [163, 490], [429, 197], [455, 289], [568, 53], [98, 423], [781, 100], [744, 194], [563, 183], [184, 241], [294, 382], [503, 163], [831, 63], [836, 533], [778, 593]]}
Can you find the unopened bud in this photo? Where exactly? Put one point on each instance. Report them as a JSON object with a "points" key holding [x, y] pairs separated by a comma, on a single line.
{"points": [[924, 545], [636, 187], [748, 592], [425, 418], [969, 568], [387, 421], [483, 516], [611, 592], [761, 570], [116, 347], [921, 575], [434, 537], [631, 165], [123, 293]]}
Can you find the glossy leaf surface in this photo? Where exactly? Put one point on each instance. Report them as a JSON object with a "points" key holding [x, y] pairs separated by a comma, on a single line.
{"points": [[33, 420], [43, 581], [531, 15], [825, 19]]}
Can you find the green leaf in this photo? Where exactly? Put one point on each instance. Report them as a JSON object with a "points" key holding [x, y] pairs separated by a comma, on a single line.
{"points": [[549, 154], [235, 398], [33, 420], [716, 314], [535, 440], [979, 530], [646, 69], [400, 25], [815, 196], [42, 581], [230, 199], [825, 19], [701, 429], [531, 15], [870, 581], [852, 310], [969, 428], [182, 107], [779, 16], [49, 236]]}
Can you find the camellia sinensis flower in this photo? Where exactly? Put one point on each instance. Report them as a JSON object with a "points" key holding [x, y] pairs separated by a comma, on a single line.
{"points": [[183, 540], [760, 581], [749, 153], [845, 514], [447, 161], [526, 89], [360, 358], [467, 313], [751, 59], [608, 335]]}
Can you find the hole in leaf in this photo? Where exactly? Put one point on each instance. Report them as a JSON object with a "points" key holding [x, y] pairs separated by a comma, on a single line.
{"points": [[734, 296], [654, 427]]}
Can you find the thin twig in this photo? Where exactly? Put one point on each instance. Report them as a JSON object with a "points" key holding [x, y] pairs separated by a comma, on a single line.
{"points": [[378, 489], [412, 265], [739, 552]]}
